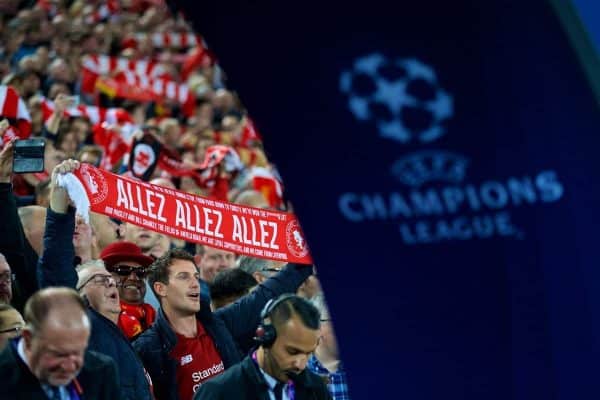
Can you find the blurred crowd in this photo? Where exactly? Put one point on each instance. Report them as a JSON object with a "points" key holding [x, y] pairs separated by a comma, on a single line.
{"points": [[154, 316]]}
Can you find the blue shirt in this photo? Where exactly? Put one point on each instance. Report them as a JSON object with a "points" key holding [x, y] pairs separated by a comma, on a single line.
{"points": [[336, 381]]}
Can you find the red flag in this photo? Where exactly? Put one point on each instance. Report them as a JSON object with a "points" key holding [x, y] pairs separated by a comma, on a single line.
{"points": [[13, 108]]}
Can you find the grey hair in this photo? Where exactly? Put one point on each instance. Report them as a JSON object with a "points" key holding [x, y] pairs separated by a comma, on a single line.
{"points": [[81, 268], [90, 264]]}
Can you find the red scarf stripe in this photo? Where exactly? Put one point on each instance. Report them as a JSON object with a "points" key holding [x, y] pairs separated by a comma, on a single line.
{"points": [[106, 65], [12, 106]]}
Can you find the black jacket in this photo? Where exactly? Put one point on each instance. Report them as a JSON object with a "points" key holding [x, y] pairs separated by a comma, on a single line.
{"points": [[56, 269], [16, 248], [244, 381], [98, 378], [231, 328]]}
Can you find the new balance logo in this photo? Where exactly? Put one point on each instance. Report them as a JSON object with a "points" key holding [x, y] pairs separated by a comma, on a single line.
{"points": [[186, 359]]}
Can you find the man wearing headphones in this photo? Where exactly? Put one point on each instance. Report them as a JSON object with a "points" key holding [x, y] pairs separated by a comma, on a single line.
{"points": [[287, 336]]}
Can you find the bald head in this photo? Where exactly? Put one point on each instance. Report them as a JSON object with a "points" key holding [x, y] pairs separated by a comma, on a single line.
{"points": [[33, 219], [56, 335], [56, 306]]}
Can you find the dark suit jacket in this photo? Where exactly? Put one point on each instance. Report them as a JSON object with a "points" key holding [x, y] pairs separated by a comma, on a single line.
{"points": [[244, 381], [98, 378]]}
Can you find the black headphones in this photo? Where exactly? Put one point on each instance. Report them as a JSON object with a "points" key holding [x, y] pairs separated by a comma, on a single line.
{"points": [[265, 333]]}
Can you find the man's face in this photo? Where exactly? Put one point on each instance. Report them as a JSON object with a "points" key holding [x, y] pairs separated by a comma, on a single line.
{"points": [[5, 281], [55, 353], [100, 288], [105, 229], [161, 247], [182, 294], [130, 281], [83, 235], [328, 338], [145, 239], [213, 261], [290, 352]]}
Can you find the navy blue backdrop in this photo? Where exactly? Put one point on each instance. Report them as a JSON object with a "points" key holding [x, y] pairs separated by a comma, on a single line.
{"points": [[443, 160]]}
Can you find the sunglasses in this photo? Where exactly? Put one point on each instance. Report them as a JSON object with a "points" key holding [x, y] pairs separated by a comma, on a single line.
{"points": [[126, 270]]}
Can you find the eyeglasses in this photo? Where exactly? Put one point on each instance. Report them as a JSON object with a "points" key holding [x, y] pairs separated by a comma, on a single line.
{"points": [[100, 279], [6, 277], [13, 332], [126, 270]]}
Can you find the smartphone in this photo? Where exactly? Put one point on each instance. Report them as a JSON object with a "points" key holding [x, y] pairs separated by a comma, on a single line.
{"points": [[29, 156], [73, 101]]}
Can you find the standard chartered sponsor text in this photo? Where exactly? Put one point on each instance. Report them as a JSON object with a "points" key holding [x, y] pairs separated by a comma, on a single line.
{"points": [[199, 376]]}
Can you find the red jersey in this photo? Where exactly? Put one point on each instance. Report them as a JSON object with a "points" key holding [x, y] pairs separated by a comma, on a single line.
{"points": [[197, 360]]}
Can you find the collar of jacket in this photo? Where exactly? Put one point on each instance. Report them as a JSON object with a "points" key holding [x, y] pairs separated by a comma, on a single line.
{"points": [[167, 333], [303, 380]]}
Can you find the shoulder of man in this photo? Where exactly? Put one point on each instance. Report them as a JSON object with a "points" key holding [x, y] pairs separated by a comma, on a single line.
{"points": [[98, 377], [95, 362], [224, 385], [313, 383], [8, 362], [148, 339]]}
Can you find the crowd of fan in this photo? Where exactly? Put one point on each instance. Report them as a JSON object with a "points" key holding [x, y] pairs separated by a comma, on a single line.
{"points": [[162, 318]]}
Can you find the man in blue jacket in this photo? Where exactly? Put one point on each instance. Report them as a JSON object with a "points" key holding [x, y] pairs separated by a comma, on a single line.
{"points": [[188, 344], [94, 285]]}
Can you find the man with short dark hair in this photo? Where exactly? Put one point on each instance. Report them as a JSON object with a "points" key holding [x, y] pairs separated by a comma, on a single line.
{"points": [[188, 344], [230, 285], [50, 360], [287, 336]]}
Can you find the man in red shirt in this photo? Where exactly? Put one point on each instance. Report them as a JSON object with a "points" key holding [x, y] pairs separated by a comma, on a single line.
{"points": [[189, 344]]}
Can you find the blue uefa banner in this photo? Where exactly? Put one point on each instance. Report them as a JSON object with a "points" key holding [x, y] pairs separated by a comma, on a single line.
{"points": [[443, 160]]}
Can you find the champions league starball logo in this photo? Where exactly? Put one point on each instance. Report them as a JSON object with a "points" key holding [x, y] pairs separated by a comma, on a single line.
{"points": [[402, 99]]}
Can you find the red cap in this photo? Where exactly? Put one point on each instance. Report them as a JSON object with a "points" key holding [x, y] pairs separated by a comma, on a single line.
{"points": [[124, 251]]}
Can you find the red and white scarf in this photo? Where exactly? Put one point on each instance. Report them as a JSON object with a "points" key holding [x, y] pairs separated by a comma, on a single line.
{"points": [[244, 230], [95, 66], [13, 108], [162, 88], [94, 114]]}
